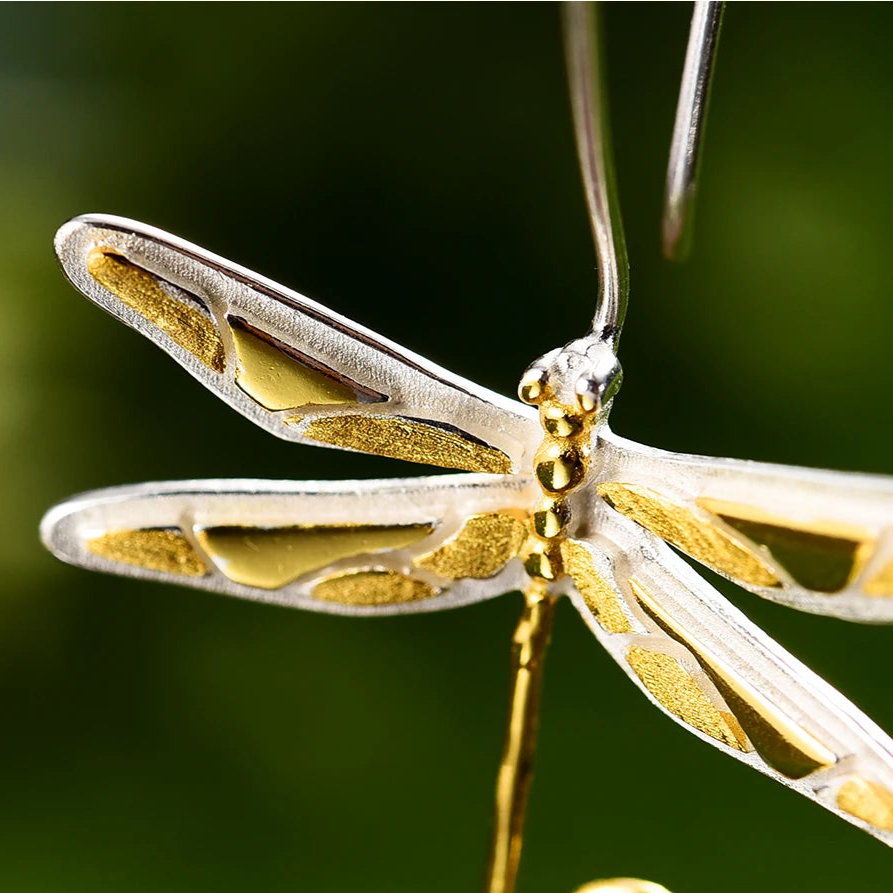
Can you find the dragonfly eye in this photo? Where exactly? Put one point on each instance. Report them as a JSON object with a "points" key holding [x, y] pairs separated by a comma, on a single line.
{"points": [[533, 385], [536, 383], [598, 384]]}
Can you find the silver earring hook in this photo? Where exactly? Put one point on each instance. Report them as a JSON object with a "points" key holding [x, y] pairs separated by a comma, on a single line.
{"points": [[586, 372], [592, 130], [688, 131]]}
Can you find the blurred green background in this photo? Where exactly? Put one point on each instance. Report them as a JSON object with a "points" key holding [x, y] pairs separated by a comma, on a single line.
{"points": [[412, 167]]}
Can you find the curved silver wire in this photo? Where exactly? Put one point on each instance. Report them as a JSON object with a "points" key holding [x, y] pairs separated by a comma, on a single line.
{"points": [[589, 104], [688, 131]]}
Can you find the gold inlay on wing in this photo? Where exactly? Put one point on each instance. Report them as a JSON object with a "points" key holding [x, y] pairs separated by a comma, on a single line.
{"points": [[184, 323], [280, 378], [159, 549], [682, 528], [411, 440], [867, 801], [372, 588], [270, 558], [600, 596], [822, 555], [782, 743], [678, 693], [881, 583], [482, 548]]}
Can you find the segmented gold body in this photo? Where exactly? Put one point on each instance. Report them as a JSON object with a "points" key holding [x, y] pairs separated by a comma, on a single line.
{"points": [[560, 466]]}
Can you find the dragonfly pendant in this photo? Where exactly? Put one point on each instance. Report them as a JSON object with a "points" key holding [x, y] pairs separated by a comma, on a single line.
{"points": [[550, 501]]}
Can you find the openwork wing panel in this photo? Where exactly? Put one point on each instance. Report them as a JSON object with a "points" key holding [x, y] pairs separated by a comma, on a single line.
{"points": [[373, 547], [702, 662], [290, 365], [819, 541]]}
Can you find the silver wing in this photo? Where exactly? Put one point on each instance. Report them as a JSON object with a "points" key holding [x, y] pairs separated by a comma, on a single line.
{"points": [[819, 541], [290, 365], [708, 667], [370, 547]]}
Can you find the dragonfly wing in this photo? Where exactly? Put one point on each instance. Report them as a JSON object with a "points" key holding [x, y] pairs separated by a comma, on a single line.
{"points": [[819, 541], [290, 365], [707, 666], [370, 547]]}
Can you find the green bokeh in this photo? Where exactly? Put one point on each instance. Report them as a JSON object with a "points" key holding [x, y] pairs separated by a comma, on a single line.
{"points": [[412, 167]]}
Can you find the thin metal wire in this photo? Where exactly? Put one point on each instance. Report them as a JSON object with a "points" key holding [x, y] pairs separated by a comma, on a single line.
{"points": [[688, 131], [589, 104]]}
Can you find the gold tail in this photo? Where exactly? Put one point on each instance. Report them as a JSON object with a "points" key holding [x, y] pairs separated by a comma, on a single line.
{"points": [[529, 647]]}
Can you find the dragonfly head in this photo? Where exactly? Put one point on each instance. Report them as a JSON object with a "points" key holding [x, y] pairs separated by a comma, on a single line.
{"points": [[583, 376]]}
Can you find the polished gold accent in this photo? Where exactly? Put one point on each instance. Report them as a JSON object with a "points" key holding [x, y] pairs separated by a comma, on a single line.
{"points": [[675, 690], [558, 466], [600, 596], [482, 548], [622, 885], [372, 589], [532, 388], [782, 743], [531, 393], [680, 527], [867, 801], [559, 421], [550, 517], [542, 560], [881, 583], [411, 440], [587, 403], [821, 555], [141, 291], [155, 549], [529, 646], [277, 380], [269, 558]]}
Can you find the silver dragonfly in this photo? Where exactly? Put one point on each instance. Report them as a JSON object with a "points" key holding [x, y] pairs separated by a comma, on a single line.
{"points": [[551, 501]]}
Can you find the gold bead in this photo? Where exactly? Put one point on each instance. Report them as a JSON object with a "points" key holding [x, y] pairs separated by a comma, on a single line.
{"points": [[550, 517], [533, 386], [558, 466], [622, 885], [543, 562], [587, 402], [561, 421]]}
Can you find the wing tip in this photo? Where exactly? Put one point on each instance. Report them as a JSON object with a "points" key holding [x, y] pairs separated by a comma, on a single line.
{"points": [[53, 533], [73, 241], [81, 222]]}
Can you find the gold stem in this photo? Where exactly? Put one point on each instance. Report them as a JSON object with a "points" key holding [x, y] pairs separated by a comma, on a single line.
{"points": [[516, 770]]}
